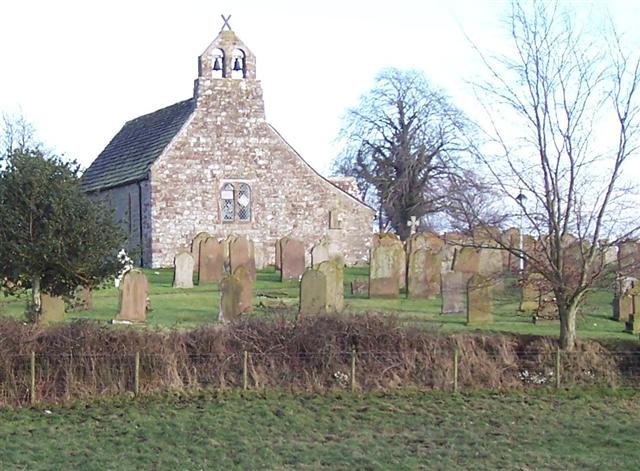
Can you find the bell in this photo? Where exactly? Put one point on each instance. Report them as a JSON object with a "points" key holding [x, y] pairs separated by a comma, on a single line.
{"points": [[216, 65], [237, 65]]}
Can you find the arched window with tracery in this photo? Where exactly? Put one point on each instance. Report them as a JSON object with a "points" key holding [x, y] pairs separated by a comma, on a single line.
{"points": [[227, 202], [243, 202]]}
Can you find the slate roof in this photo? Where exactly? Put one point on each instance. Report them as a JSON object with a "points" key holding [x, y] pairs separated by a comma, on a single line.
{"points": [[128, 156]]}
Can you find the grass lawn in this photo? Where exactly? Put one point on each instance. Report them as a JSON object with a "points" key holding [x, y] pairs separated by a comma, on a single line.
{"points": [[190, 308], [542, 429]]}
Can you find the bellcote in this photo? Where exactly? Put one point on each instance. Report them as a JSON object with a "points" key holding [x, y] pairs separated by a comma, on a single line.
{"points": [[227, 57], [226, 85]]}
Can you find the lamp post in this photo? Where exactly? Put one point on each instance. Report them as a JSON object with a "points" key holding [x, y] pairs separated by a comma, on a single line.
{"points": [[521, 199]]}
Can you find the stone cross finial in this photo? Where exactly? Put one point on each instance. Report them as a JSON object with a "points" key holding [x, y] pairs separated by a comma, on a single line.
{"points": [[413, 224], [226, 22]]}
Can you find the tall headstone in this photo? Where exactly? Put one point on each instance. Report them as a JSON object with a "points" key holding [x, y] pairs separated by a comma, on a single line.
{"points": [[453, 287], [241, 255], [226, 244], [532, 288], [333, 271], [425, 240], [195, 248], [313, 292], [629, 258], [386, 265], [633, 323], [622, 299], [292, 259], [423, 274], [235, 294], [490, 265], [322, 251], [132, 297], [479, 300], [278, 263], [183, 270], [466, 260], [52, 309], [211, 261]]}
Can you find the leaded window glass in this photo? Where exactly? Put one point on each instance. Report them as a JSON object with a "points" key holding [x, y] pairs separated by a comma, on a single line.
{"points": [[243, 202], [227, 206]]}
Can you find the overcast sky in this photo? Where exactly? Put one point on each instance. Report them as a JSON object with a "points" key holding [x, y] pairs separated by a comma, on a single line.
{"points": [[79, 70]]}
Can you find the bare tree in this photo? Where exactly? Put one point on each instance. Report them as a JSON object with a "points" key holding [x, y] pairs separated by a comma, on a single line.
{"points": [[563, 113], [471, 198], [401, 142], [17, 134]]}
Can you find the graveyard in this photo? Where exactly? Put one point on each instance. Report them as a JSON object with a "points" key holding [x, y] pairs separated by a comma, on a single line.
{"points": [[182, 308]]}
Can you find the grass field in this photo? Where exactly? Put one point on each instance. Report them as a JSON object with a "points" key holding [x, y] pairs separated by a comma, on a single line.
{"points": [[542, 429], [189, 308]]}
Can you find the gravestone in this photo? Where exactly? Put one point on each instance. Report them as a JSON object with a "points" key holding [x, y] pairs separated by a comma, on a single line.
{"points": [[52, 309], [333, 271], [195, 248], [547, 311], [423, 274], [132, 297], [425, 240], [313, 292], [322, 251], [183, 270], [490, 266], [241, 255], [633, 323], [453, 287], [479, 294], [81, 299], [211, 261], [235, 294], [278, 262], [531, 289], [226, 243], [386, 265], [466, 260], [292, 259], [629, 258], [622, 299]]}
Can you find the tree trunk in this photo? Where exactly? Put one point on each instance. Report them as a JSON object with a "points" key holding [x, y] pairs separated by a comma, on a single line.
{"points": [[568, 317], [36, 298]]}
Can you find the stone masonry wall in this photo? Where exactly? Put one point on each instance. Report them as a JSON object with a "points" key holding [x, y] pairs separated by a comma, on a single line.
{"points": [[228, 139]]}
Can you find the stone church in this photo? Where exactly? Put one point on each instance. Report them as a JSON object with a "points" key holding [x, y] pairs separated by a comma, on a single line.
{"points": [[213, 163]]}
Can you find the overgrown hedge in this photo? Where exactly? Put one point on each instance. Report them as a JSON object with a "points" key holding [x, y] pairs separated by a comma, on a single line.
{"points": [[84, 359]]}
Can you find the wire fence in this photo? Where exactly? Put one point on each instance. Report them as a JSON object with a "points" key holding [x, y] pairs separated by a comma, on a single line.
{"points": [[46, 378]]}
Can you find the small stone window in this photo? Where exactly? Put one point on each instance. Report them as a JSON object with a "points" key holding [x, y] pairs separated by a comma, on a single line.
{"points": [[235, 202], [227, 205], [334, 220]]}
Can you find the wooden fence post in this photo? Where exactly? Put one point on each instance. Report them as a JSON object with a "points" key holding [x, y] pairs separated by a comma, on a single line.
{"points": [[32, 395], [353, 369], [136, 375], [245, 375], [558, 368], [455, 370]]}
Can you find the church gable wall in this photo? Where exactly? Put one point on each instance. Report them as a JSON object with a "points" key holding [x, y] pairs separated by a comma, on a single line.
{"points": [[228, 140]]}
